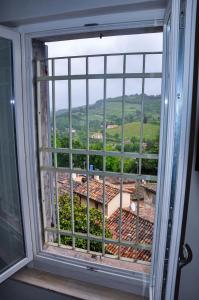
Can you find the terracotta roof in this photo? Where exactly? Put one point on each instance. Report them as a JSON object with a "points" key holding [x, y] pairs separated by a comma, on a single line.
{"points": [[152, 187], [96, 190], [128, 233]]}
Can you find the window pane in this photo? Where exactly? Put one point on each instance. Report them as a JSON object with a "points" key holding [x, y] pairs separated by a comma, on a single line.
{"points": [[62, 114], [134, 64], [78, 103], [11, 228], [115, 64], [95, 111], [114, 114], [153, 63], [78, 66], [95, 163], [96, 65], [132, 114], [61, 66], [151, 115]]}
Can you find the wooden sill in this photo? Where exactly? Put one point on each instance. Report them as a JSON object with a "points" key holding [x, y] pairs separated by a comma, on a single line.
{"points": [[71, 287]]}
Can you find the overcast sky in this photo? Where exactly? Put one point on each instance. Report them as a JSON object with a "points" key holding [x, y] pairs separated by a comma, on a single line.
{"points": [[117, 44]]}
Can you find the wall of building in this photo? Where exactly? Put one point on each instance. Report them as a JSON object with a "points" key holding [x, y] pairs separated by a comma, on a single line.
{"points": [[114, 204]]}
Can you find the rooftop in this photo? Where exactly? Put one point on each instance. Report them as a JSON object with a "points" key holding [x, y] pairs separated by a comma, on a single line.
{"points": [[151, 187], [128, 233], [95, 189]]}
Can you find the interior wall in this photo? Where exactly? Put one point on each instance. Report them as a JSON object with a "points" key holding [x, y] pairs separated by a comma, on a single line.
{"points": [[189, 287]]}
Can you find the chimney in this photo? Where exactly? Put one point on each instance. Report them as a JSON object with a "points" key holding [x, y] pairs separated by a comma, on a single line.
{"points": [[96, 177], [74, 176]]}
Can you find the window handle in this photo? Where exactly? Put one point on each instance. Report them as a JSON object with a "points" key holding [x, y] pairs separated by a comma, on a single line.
{"points": [[185, 256]]}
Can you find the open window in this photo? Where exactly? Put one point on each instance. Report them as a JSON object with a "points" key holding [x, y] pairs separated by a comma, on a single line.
{"points": [[15, 245], [98, 132], [96, 145]]}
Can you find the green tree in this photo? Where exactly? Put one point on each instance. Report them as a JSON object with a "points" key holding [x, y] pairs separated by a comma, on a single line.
{"points": [[80, 223]]}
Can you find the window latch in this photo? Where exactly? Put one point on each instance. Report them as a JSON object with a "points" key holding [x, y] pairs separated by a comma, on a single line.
{"points": [[185, 256]]}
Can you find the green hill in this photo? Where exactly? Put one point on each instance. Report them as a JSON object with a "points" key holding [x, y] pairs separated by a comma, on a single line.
{"points": [[150, 131], [132, 114]]}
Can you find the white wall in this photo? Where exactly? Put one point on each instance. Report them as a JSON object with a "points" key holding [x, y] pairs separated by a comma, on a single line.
{"points": [[189, 282], [114, 204]]}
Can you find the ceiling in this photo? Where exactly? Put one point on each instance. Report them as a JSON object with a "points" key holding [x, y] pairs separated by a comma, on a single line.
{"points": [[19, 12]]}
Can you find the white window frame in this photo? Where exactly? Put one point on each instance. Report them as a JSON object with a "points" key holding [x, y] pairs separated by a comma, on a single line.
{"points": [[126, 280], [72, 267], [14, 36]]}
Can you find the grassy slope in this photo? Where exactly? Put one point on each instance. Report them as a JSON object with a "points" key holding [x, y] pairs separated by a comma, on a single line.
{"points": [[132, 109], [150, 131]]}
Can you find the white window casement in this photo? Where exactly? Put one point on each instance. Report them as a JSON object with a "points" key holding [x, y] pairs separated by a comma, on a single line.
{"points": [[35, 234]]}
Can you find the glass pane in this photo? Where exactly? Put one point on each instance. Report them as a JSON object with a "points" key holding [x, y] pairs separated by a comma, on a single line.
{"points": [[153, 63], [78, 103], [62, 114], [114, 114], [95, 111], [61, 67], [11, 228], [132, 114], [115, 64], [134, 63], [96, 65], [78, 66], [151, 116]]}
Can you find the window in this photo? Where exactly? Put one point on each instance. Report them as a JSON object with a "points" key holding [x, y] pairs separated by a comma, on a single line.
{"points": [[98, 126], [67, 166]]}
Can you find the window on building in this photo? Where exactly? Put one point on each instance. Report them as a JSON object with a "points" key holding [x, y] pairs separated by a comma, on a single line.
{"points": [[98, 128]]}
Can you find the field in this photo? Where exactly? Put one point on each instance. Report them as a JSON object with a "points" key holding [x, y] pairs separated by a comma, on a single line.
{"points": [[150, 131], [132, 116]]}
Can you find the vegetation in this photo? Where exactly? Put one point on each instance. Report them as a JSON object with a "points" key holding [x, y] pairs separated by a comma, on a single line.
{"points": [[80, 223], [132, 117]]}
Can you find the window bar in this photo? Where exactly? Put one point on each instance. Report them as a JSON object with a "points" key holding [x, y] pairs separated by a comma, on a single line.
{"points": [[100, 152], [140, 159], [130, 244], [55, 154], [87, 158], [101, 173], [104, 161], [122, 157], [70, 154]]}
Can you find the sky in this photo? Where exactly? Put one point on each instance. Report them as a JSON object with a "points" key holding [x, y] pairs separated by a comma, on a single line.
{"points": [[116, 44]]}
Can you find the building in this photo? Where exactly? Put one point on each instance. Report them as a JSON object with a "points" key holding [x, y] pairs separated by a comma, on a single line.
{"points": [[128, 233], [111, 126], [97, 136], [149, 190], [112, 193]]}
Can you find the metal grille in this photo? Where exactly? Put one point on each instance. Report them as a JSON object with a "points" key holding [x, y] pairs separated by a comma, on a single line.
{"points": [[49, 150]]}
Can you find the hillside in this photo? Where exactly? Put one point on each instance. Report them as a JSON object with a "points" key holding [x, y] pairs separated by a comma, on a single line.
{"points": [[150, 131], [132, 114]]}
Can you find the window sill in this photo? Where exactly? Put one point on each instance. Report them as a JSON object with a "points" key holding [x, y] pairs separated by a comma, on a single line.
{"points": [[71, 287]]}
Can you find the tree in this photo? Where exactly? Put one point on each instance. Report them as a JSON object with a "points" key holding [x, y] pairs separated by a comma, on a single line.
{"points": [[80, 223]]}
